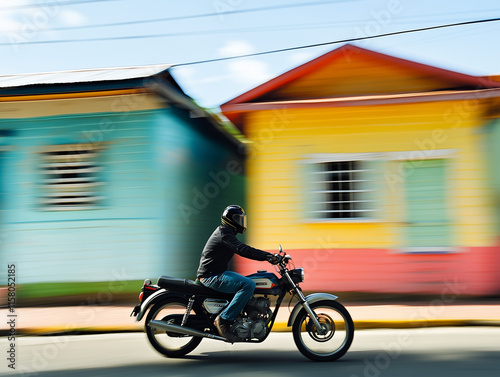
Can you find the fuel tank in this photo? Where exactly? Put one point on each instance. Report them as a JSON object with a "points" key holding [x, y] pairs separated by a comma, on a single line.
{"points": [[266, 283]]}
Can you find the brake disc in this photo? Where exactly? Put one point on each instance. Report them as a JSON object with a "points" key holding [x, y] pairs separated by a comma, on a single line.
{"points": [[327, 324]]}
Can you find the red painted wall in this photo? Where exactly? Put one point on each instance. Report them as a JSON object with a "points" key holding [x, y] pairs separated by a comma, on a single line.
{"points": [[474, 271]]}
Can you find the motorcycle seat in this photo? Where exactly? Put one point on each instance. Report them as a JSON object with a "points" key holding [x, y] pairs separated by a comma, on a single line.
{"points": [[186, 286]]}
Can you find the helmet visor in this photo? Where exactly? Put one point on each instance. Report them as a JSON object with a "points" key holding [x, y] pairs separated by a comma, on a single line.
{"points": [[241, 220]]}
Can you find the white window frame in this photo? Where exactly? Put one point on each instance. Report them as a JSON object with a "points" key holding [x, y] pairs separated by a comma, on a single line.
{"points": [[70, 177], [313, 197]]}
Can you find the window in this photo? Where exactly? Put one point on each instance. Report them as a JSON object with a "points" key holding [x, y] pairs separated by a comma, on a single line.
{"points": [[341, 190], [70, 177], [427, 210]]}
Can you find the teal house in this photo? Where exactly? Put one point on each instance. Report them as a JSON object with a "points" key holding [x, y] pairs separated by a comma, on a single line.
{"points": [[109, 175]]}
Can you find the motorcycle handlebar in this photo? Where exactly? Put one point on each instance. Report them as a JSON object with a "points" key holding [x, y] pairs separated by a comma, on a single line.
{"points": [[283, 257]]}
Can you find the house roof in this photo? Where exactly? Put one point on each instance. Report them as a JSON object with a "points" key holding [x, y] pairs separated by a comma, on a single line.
{"points": [[80, 76], [111, 81], [351, 71], [86, 80]]}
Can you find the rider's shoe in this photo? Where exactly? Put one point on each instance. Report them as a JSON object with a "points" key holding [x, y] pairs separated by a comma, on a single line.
{"points": [[224, 328]]}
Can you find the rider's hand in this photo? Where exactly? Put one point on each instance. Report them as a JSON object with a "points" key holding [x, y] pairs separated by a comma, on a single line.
{"points": [[273, 258]]}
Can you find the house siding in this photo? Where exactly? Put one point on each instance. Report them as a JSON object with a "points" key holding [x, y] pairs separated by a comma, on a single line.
{"points": [[370, 255], [149, 164]]}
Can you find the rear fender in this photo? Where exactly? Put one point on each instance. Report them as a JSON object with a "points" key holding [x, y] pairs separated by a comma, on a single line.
{"points": [[159, 295], [312, 298]]}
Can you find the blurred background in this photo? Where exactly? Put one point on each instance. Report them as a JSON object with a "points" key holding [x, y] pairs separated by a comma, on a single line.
{"points": [[361, 143]]}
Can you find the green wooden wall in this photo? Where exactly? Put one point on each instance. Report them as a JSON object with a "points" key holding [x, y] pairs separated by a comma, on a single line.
{"points": [[153, 162]]}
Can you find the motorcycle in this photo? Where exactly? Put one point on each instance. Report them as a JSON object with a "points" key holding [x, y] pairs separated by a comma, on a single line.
{"points": [[181, 313]]}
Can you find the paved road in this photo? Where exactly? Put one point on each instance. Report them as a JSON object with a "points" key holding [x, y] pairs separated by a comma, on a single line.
{"points": [[465, 351]]}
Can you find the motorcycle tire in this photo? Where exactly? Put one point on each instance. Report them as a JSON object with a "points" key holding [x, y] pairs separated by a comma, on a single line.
{"points": [[169, 344], [339, 331]]}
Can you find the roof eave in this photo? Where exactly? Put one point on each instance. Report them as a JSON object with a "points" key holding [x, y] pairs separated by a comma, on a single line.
{"points": [[236, 111], [348, 49], [177, 97]]}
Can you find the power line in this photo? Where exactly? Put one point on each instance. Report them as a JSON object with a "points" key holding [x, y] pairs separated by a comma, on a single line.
{"points": [[47, 4], [216, 31], [196, 32], [220, 13], [347, 40], [257, 53], [314, 25]]}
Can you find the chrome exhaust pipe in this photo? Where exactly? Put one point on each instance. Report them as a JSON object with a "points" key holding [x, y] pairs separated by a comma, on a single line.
{"points": [[160, 325]]}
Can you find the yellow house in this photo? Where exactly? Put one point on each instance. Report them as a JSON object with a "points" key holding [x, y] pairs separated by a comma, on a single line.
{"points": [[375, 173]]}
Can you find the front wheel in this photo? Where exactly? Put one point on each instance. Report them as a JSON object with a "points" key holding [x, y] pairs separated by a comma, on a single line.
{"points": [[336, 337], [170, 344]]}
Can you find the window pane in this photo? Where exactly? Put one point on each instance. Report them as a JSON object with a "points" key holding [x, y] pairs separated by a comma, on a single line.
{"points": [[70, 177], [340, 190]]}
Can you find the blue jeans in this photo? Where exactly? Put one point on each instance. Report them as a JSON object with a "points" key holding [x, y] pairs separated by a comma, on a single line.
{"points": [[231, 282]]}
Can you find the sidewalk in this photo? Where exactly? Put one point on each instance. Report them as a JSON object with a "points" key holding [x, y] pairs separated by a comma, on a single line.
{"points": [[102, 319]]}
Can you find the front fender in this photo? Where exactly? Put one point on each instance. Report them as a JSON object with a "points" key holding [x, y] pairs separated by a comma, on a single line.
{"points": [[312, 298]]}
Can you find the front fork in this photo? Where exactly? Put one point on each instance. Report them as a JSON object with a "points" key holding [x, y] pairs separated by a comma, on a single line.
{"points": [[305, 304], [312, 315]]}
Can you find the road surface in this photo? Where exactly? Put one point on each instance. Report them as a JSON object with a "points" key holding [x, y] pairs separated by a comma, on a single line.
{"points": [[464, 351]]}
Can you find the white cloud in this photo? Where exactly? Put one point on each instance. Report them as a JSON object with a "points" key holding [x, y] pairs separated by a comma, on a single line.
{"points": [[26, 22], [235, 48], [249, 71], [8, 24], [72, 18], [245, 71], [11, 20]]}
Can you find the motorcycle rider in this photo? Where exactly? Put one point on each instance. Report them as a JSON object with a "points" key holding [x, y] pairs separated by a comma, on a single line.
{"points": [[213, 273]]}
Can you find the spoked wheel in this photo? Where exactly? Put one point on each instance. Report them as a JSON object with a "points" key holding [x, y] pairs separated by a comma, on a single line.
{"points": [[335, 338], [167, 343]]}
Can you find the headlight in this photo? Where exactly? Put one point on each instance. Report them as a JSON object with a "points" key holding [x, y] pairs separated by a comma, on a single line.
{"points": [[297, 275]]}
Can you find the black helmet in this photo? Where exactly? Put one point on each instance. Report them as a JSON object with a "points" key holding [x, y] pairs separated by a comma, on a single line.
{"points": [[235, 217]]}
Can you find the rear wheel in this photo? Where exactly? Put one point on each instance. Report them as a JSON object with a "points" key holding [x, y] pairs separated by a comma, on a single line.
{"points": [[335, 338], [170, 344]]}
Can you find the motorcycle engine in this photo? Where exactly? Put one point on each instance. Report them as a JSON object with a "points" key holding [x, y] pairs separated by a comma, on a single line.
{"points": [[251, 324]]}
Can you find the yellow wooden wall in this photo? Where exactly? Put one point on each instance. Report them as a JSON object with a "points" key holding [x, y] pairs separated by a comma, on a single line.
{"points": [[282, 138]]}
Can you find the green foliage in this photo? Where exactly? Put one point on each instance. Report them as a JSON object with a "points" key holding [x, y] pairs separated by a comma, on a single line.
{"points": [[104, 290]]}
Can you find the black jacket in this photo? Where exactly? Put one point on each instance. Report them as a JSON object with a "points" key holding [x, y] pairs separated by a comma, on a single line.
{"points": [[220, 248]]}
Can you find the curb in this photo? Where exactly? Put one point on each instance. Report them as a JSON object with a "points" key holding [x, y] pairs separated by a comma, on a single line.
{"points": [[278, 327], [424, 323]]}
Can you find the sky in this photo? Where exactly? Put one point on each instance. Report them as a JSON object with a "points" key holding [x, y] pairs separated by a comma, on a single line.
{"points": [[59, 35]]}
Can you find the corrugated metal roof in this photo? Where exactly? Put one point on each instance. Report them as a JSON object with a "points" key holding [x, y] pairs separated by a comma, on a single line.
{"points": [[81, 76]]}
